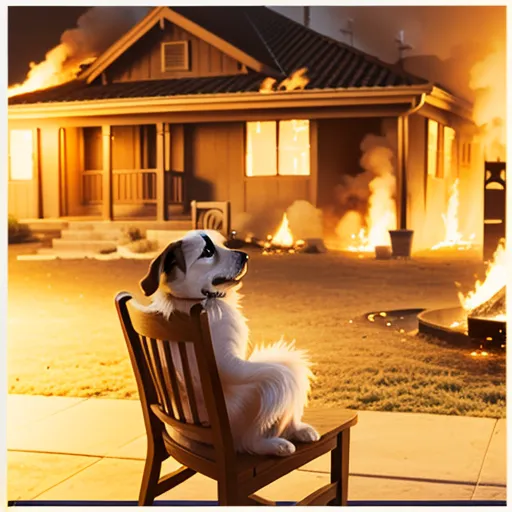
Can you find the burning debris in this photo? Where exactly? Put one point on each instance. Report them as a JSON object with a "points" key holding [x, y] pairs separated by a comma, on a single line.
{"points": [[297, 81], [378, 184], [283, 242], [453, 238], [96, 30]]}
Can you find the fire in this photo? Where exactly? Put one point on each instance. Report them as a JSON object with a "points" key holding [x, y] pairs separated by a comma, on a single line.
{"points": [[283, 236], [453, 237], [296, 81], [495, 278]]}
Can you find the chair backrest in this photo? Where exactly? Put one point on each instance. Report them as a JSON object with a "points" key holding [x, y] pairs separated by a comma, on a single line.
{"points": [[177, 378]]}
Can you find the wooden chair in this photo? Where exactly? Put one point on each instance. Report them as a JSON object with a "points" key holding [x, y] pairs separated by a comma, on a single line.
{"points": [[169, 397]]}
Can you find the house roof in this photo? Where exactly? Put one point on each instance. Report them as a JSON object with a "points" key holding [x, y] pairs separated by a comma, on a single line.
{"points": [[278, 43]]}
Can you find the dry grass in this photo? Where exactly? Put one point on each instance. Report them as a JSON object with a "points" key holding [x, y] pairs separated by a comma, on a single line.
{"points": [[64, 337]]}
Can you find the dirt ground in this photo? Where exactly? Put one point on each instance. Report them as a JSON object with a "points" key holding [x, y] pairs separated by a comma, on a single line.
{"points": [[64, 337]]}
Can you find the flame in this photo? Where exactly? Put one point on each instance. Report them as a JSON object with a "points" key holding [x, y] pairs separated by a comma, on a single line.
{"points": [[495, 278], [54, 70], [453, 237], [283, 236], [296, 81]]}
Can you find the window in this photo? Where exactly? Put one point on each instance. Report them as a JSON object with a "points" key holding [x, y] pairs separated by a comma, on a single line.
{"points": [[175, 56], [432, 151], [20, 153], [278, 148], [449, 138]]}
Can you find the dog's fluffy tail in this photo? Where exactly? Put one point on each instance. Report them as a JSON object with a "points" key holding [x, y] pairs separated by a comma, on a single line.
{"points": [[284, 375]]}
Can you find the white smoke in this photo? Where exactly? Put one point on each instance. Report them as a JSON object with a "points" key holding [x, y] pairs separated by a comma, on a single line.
{"points": [[305, 221], [96, 30], [377, 184]]}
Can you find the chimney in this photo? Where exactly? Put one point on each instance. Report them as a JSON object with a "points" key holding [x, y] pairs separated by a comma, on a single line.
{"points": [[307, 16]]}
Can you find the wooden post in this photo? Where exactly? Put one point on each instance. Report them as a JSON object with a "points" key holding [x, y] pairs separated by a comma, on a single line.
{"points": [[107, 196], [36, 173], [402, 156], [161, 203]]}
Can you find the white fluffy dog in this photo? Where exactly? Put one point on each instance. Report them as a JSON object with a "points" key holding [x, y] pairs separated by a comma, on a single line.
{"points": [[266, 392]]}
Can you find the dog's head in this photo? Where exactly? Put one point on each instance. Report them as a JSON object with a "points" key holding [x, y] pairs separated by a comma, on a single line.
{"points": [[197, 266]]}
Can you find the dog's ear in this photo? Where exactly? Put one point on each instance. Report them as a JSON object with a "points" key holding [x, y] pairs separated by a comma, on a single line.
{"points": [[172, 255]]}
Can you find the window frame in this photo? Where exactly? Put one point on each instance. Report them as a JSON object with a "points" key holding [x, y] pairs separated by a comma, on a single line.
{"points": [[277, 141]]}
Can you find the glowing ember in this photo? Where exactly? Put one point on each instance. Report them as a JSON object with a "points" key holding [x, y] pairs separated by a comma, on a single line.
{"points": [[495, 277], [452, 236], [296, 81]]}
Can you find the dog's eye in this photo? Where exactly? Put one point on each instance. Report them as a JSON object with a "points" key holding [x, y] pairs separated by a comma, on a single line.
{"points": [[208, 252]]}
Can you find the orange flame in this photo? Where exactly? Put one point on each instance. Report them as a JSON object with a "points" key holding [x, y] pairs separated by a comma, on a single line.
{"points": [[495, 279], [452, 236], [283, 236], [54, 70]]}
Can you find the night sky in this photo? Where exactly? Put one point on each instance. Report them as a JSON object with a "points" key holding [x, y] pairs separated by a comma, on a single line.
{"points": [[32, 31]]}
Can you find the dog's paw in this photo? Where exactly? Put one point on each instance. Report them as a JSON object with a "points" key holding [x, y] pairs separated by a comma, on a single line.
{"points": [[305, 433], [273, 446], [281, 447]]}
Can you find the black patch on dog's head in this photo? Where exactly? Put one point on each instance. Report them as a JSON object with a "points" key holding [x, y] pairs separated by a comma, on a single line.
{"points": [[163, 264]]}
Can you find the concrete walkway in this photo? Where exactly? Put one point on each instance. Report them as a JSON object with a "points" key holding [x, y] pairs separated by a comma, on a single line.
{"points": [[63, 448]]}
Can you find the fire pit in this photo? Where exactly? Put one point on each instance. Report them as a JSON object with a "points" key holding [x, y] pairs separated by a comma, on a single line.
{"points": [[482, 316]]}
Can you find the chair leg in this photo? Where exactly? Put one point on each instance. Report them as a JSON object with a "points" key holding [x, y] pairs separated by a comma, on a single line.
{"points": [[339, 468], [227, 494], [150, 479]]}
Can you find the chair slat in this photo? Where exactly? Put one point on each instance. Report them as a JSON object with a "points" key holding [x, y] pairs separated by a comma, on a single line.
{"points": [[150, 366], [159, 372], [189, 383], [171, 374]]}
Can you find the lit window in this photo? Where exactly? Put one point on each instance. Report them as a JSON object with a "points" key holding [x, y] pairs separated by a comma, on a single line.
{"points": [[262, 155], [20, 153], [449, 138], [432, 156], [294, 148], [261, 149]]}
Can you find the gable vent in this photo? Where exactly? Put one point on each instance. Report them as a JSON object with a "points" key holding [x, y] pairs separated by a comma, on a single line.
{"points": [[175, 56]]}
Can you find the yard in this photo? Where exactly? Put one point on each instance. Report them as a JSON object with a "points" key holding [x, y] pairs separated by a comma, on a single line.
{"points": [[64, 337]]}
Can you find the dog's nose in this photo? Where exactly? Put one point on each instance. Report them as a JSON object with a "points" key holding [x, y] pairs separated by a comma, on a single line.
{"points": [[243, 256]]}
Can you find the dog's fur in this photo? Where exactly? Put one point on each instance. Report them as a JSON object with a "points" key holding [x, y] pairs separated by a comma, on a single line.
{"points": [[266, 392]]}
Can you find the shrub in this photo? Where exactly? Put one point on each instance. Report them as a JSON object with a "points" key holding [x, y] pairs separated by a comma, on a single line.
{"points": [[130, 234], [17, 232]]}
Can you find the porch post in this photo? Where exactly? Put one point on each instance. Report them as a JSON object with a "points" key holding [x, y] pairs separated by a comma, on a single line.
{"points": [[108, 211], [161, 204], [402, 156]]}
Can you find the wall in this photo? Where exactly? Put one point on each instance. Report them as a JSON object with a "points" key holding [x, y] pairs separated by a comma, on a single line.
{"points": [[50, 170], [73, 172], [214, 163], [143, 60]]}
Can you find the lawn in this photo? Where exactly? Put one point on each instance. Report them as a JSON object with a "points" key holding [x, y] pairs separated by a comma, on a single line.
{"points": [[64, 337]]}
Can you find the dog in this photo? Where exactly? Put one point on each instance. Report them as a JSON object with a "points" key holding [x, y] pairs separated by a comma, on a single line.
{"points": [[265, 393]]}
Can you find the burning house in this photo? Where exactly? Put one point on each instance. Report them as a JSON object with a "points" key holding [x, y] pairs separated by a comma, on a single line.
{"points": [[242, 104]]}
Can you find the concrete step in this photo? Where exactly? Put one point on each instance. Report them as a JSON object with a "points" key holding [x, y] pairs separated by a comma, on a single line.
{"points": [[83, 245], [91, 234], [165, 236]]}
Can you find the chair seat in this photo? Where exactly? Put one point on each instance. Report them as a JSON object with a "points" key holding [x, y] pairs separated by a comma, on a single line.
{"points": [[328, 422]]}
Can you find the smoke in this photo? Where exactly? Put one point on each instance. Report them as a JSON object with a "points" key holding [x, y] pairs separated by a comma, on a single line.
{"points": [[375, 188], [305, 221], [96, 30], [489, 83]]}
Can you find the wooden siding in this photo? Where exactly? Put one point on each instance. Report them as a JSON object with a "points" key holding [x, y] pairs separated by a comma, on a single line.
{"points": [[50, 172], [214, 163], [73, 171], [143, 61]]}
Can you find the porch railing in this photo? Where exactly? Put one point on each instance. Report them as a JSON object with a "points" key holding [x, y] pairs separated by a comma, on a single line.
{"points": [[132, 186]]}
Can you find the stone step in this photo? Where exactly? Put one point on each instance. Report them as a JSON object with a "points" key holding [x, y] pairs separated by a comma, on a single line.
{"points": [[91, 234], [83, 245]]}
